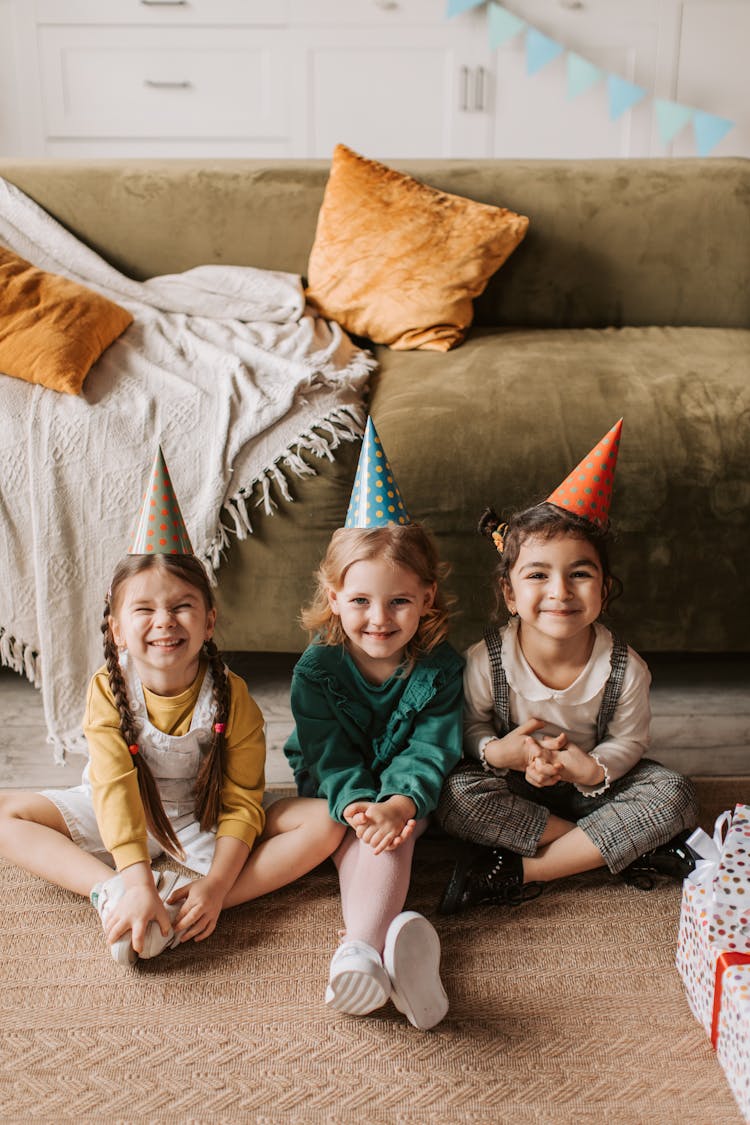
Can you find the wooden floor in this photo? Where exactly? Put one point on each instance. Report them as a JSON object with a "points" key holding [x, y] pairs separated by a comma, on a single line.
{"points": [[701, 719]]}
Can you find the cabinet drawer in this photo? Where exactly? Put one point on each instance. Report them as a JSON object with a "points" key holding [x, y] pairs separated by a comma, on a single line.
{"points": [[127, 82], [175, 13]]}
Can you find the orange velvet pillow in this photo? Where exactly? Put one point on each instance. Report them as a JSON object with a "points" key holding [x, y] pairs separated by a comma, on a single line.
{"points": [[52, 329], [400, 262]]}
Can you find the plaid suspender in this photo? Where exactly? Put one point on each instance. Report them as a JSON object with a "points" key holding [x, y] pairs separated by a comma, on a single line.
{"points": [[499, 681], [612, 688]]}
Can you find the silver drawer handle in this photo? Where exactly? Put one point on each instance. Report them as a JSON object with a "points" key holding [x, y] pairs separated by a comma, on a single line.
{"points": [[479, 89], [164, 3], [463, 103], [156, 85]]}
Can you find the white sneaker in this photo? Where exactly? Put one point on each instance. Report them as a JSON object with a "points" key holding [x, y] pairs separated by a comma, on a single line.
{"points": [[106, 895], [154, 941], [357, 981], [412, 959]]}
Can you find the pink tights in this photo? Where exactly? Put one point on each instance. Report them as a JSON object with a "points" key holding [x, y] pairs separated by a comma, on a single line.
{"points": [[373, 887]]}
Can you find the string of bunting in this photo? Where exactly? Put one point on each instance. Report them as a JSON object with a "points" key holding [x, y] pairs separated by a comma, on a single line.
{"points": [[582, 75]]}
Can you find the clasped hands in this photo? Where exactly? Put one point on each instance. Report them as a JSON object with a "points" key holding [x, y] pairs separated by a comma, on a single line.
{"points": [[543, 761], [384, 825]]}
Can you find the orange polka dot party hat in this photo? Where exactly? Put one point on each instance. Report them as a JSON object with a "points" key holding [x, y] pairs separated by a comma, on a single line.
{"points": [[160, 529], [587, 491], [375, 500]]}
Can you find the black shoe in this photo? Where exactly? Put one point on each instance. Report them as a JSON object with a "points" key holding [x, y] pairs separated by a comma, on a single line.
{"points": [[487, 875], [675, 859]]}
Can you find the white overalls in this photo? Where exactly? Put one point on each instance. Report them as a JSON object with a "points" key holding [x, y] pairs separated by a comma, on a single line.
{"points": [[174, 762]]}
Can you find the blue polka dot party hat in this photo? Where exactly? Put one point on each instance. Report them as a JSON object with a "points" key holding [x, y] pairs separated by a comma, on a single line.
{"points": [[160, 529], [587, 491], [375, 500]]}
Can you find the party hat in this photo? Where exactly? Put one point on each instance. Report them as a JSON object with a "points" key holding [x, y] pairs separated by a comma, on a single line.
{"points": [[375, 500], [587, 491], [161, 528]]}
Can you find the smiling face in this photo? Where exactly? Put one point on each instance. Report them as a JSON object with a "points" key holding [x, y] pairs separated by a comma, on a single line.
{"points": [[556, 586], [380, 606], [162, 620]]}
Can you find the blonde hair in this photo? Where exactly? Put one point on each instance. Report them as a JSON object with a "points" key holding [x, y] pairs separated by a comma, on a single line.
{"points": [[410, 546], [208, 783]]}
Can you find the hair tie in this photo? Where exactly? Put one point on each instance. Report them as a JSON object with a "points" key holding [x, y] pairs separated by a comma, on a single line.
{"points": [[498, 537], [220, 727], [133, 749]]}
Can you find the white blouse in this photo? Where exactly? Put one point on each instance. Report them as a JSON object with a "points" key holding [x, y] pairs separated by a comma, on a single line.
{"points": [[573, 710]]}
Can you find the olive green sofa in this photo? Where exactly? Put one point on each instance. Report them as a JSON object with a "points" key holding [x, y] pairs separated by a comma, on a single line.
{"points": [[630, 296]]}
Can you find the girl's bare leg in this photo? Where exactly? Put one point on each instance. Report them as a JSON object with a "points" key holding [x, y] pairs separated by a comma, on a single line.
{"points": [[567, 854], [299, 834], [34, 836]]}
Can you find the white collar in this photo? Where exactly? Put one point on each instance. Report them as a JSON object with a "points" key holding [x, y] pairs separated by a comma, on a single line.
{"points": [[525, 683]]}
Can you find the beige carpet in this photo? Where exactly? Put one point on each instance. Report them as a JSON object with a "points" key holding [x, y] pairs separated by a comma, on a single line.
{"points": [[568, 1009]]}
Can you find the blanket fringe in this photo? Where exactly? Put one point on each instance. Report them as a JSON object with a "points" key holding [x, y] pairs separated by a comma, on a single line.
{"points": [[22, 658], [344, 423], [71, 744]]}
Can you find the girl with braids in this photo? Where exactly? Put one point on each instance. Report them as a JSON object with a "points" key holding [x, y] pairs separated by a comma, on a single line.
{"points": [[556, 720], [176, 766]]}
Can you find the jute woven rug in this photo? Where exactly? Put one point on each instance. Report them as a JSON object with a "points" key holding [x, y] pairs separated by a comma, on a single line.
{"points": [[568, 1009]]}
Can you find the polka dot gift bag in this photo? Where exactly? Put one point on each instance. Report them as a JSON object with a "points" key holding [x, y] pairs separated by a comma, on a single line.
{"points": [[714, 940], [733, 1034]]}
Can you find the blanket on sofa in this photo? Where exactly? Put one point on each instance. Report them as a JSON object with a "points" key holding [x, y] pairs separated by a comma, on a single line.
{"points": [[225, 366]]}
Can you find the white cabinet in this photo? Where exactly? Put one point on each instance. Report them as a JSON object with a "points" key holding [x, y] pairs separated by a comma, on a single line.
{"points": [[390, 78], [254, 78], [127, 82], [424, 92], [165, 77]]}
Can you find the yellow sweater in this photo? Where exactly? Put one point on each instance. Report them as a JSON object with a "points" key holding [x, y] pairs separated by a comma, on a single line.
{"points": [[117, 801]]}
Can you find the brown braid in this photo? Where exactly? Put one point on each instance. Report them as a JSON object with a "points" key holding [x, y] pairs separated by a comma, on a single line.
{"points": [[208, 783], [157, 821]]}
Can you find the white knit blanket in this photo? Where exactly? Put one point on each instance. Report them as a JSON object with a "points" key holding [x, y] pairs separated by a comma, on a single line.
{"points": [[225, 366]]}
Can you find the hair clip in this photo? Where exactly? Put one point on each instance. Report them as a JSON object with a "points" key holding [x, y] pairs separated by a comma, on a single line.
{"points": [[498, 537], [220, 727], [133, 749]]}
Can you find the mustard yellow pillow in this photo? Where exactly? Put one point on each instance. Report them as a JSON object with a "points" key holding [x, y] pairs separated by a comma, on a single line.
{"points": [[52, 329], [400, 262]]}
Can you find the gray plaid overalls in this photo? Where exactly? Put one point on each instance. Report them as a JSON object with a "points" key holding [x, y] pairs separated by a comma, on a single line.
{"points": [[500, 808]]}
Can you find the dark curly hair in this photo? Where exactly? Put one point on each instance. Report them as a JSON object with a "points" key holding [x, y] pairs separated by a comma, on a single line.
{"points": [[543, 521]]}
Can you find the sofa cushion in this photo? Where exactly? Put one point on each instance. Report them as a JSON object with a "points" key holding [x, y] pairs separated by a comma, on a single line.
{"points": [[510, 412], [397, 261], [52, 329]]}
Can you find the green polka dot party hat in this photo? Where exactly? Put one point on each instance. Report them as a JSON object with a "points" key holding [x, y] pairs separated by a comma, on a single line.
{"points": [[375, 500], [587, 491], [160, 529]]}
